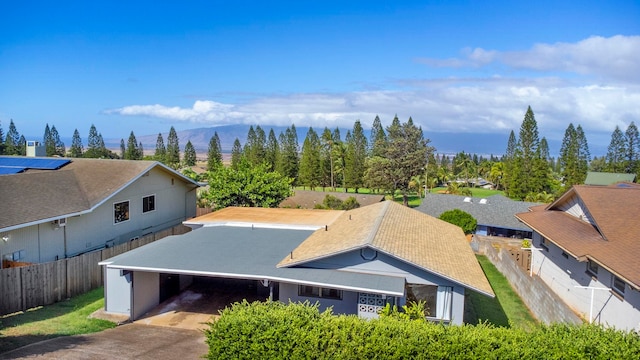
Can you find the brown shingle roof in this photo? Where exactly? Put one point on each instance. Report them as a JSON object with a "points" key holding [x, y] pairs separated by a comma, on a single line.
{"points": [[611, 241], [38, 195], [403, 233]]}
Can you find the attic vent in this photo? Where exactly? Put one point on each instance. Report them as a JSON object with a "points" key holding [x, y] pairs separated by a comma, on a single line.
{"points": [[483, 201], [368, 253], [467, 199], [58, 223]]}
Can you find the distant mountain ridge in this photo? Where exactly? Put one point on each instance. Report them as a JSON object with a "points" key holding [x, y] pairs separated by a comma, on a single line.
{"points": [[444, 142]]}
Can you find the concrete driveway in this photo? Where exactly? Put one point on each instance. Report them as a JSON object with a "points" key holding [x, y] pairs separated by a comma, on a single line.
{"points": [[173, 330], [130, 341]]}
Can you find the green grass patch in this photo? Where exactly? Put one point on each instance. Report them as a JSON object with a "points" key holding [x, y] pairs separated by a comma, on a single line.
{"points": [[506, 309], [69, 317]]}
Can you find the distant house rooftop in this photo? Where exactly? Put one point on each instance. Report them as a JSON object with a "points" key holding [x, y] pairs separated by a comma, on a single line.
{"points": [[604, 178]]}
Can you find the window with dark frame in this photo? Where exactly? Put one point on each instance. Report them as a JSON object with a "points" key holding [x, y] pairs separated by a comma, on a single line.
{"points": [[148, 203], [120, 212], [544, 243], [592, 268], [618, 285], [319, 292]]}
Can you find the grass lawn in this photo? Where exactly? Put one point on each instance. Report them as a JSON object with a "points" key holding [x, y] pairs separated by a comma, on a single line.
{"points": [[506, 309], [69, 317]]}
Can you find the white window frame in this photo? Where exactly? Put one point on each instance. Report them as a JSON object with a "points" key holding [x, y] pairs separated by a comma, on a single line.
{"points": [[154, 203], [128, 213]]}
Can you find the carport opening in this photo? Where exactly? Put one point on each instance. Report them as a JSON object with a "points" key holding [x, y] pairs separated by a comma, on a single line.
{"points": [[207, 295]]}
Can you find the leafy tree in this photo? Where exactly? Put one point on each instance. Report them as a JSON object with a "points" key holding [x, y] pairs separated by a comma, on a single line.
{"points": [[189, 154], [247, 185], [47, 140], [12, 141], [407, 152], [310, 161], [272, 151], [173, 149], [616, 152], [161, 151], [214, 153], [355, 158], [460, 218], [289, 150], [598, 164], [58, 145], [94, 144], [1, 140], [236, 154], [530, 173], [378, 138], [132, 152], [574, 157], [326, 159], [496, 174], [333, 203], [633, 149], [76, 149]]}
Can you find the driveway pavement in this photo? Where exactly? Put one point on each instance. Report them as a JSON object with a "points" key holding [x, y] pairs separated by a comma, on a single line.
{"points": [[130, 341]]}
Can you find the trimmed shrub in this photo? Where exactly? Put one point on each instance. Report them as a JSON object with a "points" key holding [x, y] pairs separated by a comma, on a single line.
{"points": [[461, 218], [273, 330]]}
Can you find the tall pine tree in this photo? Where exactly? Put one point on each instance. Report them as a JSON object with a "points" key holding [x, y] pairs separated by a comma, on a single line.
{"points": [[633, 149], [214, 153], [189, 154], [161, 151], [12, 141], [310, 171], [356, 157], [616, 152], [173, 149], [76, 145]]}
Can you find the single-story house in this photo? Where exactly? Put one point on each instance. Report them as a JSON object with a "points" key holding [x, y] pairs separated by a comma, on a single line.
{"points": [[605, 178], [54, 208], [307, 199], [585, 249], [495, 214], [355, 261]]}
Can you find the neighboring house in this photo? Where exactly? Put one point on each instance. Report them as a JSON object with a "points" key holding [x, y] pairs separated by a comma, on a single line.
{"points": [[495, 214], [354, 261], [54, 208], [604, 178], [307, 199], [588, 251]]}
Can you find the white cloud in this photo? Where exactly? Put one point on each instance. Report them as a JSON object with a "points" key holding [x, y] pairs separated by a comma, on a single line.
{"points": [[614, 58]]}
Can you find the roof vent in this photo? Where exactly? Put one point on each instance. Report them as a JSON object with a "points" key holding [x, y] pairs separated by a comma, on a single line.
{"points": [[467, 199], [483, 201]]}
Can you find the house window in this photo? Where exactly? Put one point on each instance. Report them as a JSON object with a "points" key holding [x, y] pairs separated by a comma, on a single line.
{"points": [[148, 203], [319, 292], [544, 242], [592, 268], [120, 212], [618, 285]]}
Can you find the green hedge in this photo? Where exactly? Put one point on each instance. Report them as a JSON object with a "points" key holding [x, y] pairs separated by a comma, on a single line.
{"points": [[274, 330]]}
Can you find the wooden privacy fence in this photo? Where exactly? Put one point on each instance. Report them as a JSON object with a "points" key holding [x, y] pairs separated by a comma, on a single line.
{"points": [[26, 287]]}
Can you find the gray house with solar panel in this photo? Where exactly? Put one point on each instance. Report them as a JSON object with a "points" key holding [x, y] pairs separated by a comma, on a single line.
{"points": [[354, 261], [54, 208]]}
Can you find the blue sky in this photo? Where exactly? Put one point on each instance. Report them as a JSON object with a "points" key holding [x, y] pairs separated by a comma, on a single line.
{"points": [[453, 66]]}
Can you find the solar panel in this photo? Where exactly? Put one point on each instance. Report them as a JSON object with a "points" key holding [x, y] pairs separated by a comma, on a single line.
{"points": [[8, 170], [33, 163]]}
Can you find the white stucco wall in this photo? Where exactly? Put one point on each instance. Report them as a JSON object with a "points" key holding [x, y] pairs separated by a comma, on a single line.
{"points": [[117, 289], [564, 275], [146, 293]]}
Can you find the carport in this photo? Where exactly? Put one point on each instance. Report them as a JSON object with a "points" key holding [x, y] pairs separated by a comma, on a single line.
{"points": [[139, 280]]}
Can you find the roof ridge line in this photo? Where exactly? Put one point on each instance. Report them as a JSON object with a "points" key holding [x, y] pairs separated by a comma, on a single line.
{"points": [[377, 223]]}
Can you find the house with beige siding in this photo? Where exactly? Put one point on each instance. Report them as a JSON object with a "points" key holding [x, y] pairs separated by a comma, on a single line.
{"points": [[82, 205], [354, 261], [586, 250]]}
